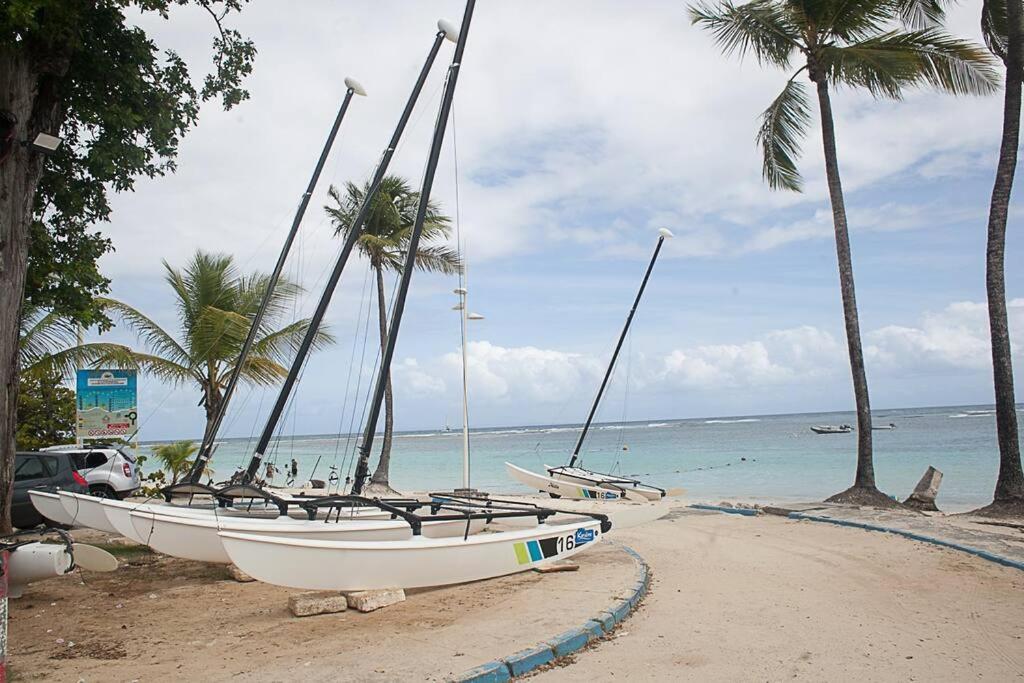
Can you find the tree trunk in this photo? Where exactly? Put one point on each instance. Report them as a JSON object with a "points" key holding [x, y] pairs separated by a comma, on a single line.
{"points": [[864, 489], [380, 475], [33, 100], [1009, 492]]}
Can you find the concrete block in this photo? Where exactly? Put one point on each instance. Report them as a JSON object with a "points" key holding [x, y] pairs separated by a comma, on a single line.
{"points": [[526, 661], [608, 620], [570, 641], [238, 575], [491, 672], [309, 604], [368, 601], [923, 497], [594, 626]]}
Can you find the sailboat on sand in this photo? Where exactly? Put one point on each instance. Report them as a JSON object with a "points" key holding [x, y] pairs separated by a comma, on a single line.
{"points": [[419, 560], [573, 480]]}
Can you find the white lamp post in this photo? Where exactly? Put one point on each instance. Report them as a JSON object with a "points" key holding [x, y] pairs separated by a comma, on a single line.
{"points": [[464, 317]]}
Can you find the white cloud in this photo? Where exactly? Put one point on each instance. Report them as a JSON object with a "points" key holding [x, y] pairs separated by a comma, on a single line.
{"points": [[789, 359], [501, 374], [956, 337]]}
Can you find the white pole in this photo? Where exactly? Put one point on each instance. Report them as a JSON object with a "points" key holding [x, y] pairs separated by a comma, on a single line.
{"points": [[465, 390]]}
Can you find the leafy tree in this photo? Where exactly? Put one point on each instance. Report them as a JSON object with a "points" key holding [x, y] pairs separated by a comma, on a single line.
{"points": [[853, 43], [46, 412], [215, 306], [1004, 34], [385, 242], [83, 71], [175, 458]]}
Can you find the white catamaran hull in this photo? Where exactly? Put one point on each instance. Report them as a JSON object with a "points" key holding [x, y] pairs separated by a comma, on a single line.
{"points": [[564, 489], [414, 563], [49, 506], [86, 511], [578, 475], [197, 539], [119, 514]]}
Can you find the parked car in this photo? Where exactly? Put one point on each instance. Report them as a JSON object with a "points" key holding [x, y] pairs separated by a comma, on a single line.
{"points": [[34, 470], [110, 470]]}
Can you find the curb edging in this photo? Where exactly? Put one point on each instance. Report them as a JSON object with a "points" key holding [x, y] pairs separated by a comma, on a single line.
{"points": [[597, 627], [746, 512], [983, 554]]}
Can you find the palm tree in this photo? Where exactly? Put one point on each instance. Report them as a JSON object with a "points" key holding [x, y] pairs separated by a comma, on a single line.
{"points": [[384, 242], [857, 44], [1001, 25], [215, 306], [175, 457]]}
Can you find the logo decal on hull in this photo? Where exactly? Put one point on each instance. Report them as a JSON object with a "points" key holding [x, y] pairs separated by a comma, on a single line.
{"points": [[528, 552]]}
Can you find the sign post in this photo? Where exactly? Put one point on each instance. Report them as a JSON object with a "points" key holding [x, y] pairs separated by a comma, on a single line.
{"points": [[107, 404]]}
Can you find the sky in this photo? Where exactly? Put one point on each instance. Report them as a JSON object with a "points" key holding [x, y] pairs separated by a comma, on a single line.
{"points": [[579, 129]]}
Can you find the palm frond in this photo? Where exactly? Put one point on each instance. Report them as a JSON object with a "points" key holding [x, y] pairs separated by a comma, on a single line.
{"points": [[122, 357], [783, 126], [892, 61], [281, 345], [760, 27], [995, 27], [438, 259], [262, 371], [921, 14], [156, 339], [66, 361], [43, 333]]}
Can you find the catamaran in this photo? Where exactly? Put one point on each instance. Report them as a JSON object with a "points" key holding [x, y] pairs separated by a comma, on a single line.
{"points": [[245, 497], [418, 560], [573, 480]]}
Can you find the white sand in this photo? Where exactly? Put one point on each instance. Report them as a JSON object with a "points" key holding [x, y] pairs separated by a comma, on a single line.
{"points": [[770, 599]]}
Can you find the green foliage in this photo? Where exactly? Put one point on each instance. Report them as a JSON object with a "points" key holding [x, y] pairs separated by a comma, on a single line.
{"points": [[388, 227], [46, 412], [853, 43], [175, 457], [123, 105], [215, 307], [995, 27]]}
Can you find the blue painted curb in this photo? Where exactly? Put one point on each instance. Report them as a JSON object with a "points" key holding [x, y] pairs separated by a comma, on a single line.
{"points": [[527, 660], [746, 512], [984, 554], [574, 640]]}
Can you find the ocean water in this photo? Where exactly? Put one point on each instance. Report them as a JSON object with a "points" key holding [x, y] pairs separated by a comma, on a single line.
{"points": [[764, 458]]}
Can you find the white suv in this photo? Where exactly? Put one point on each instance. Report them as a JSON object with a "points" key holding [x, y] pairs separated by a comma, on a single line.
{"points": [[110, 470]]}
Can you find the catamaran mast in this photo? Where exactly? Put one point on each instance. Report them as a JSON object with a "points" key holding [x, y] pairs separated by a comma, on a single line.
{"points": [[662, 234], [445, 30], [206, 448], [362, 468]]}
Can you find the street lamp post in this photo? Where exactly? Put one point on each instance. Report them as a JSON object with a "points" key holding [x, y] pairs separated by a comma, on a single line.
{"points": [[464, 317]]}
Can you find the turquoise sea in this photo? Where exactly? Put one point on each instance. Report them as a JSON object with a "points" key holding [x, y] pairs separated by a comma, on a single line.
{"points": [[756, 457]]}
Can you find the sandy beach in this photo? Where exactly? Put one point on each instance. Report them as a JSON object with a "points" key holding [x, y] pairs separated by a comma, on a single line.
{"points": [[732, 598], [770, 599]]}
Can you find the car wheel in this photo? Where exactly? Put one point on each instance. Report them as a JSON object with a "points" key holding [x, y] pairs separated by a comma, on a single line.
{"points": [[102, 491]]}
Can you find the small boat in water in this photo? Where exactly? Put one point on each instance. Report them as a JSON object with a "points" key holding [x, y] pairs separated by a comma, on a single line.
{"points": [[891, 425], [832, 429]]}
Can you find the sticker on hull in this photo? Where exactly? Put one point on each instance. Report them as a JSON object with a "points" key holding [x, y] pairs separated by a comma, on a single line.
{"points": [[528, 552]]}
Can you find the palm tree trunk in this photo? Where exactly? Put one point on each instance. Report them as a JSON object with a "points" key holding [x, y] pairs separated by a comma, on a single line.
{"points": [[864, 481], [1009, 492], [380, 475]]}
